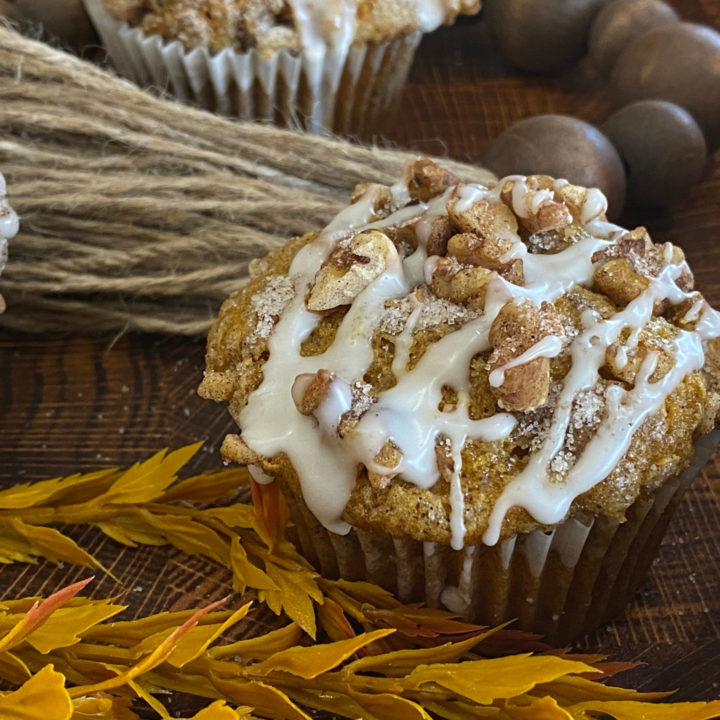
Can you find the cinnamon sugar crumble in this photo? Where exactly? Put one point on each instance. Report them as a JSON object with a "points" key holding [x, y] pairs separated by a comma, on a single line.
{"points": [[269, 304], [532, 427], [362, 400], [587, 409], [435, 311], [587, 413]]}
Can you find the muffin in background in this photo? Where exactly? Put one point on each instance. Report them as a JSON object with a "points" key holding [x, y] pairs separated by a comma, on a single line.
{"points": [[335, 66], [486, 397], [9, 226]]}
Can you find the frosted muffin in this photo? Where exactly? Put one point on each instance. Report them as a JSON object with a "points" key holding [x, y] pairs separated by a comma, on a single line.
{"points": [[9, 226], [337, 65], [488, 398]]}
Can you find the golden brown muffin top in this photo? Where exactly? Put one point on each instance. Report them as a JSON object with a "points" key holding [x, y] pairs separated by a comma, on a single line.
{"points": [[457, 363], [269, 25]]}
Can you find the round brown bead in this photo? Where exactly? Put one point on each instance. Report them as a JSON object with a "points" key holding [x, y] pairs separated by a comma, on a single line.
{"points": [[541, 37], [618, 23], [679, 63], [563, 147], [663, 149]]}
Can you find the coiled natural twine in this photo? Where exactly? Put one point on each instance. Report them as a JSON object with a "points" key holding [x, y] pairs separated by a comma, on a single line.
{"points": [[142, 214]]}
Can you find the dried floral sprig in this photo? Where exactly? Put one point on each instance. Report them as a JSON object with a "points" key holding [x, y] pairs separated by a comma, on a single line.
{"points": [[75, 666], [147, 505]]}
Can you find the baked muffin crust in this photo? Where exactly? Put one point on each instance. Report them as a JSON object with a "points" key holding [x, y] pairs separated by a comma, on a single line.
{"points": [[557, 364], [270, 25]]}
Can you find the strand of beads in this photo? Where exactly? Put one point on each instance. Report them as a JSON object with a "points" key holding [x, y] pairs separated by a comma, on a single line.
{"points": [[663, 78]]}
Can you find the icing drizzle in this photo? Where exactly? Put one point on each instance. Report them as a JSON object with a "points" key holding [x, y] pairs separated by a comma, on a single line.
{"points": [[331, 24], [327, 462]]}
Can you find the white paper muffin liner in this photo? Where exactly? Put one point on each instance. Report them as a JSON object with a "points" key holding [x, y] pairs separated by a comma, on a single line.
{"points": [[335, 91], [560, 584]]}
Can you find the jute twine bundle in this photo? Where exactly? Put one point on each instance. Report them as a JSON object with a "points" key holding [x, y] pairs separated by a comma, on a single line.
{"points": [[142, 214]]}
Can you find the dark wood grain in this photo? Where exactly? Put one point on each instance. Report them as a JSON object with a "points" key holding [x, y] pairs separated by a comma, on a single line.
{"points": [[76, 403]]}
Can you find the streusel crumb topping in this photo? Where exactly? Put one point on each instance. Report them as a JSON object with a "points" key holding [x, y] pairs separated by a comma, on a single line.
{"points": [[458, 363], [270, 25]]}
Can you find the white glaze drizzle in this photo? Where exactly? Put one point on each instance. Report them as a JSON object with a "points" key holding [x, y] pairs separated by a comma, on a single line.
{"points": [[548, 502], [595, 204], [9, 223], [404, 341], [457, 499], [332, 24], [259, 475], [550, 346], [270, 421], [408, 413], [708, 327], [325, 24], [457, 598], [695, 311]]}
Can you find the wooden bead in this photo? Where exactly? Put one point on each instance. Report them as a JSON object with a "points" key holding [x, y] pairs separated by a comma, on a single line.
{"points": [[563, 147], [679, 63], [619, 23], [66, 20], [541, 37], [663, 149]]}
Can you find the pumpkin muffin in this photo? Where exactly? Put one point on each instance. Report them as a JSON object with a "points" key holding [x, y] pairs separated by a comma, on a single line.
{"points": [[487, 398], [335, 66], [9, 226]]}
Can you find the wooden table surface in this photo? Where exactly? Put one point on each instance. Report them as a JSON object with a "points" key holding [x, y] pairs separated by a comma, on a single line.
{"points": [[75, 402]]}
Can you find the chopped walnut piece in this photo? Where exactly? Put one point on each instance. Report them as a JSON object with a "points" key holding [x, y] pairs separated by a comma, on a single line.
{"points": [[619, 281], [685, 280], [235, 449], [536, 207], [383, 196], [645, 258], [514, 272], [432, 232], [309, 390], [492, 221], [443, 459], [389, 456], [630, 264], [712, 356], [348, 271], [472, 249], [517, 328], [426, 179], [405, 236], [550, 216], [623, 363], [362, 400], [440, 232], [465, 285], [549, 242], [582, 202], [686, 313], [489, 253], [637, 248]]}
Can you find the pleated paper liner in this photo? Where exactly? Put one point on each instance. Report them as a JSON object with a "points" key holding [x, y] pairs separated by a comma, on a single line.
{"points": [[349, 93], [561, 584]]}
